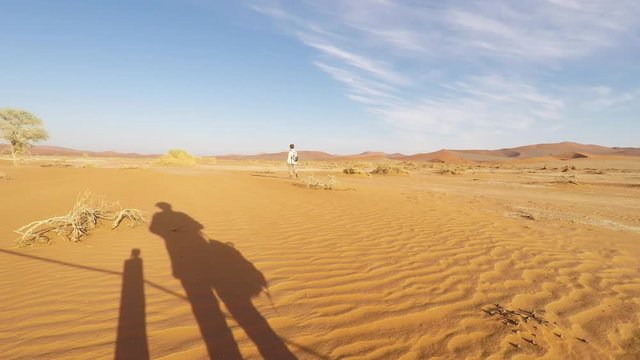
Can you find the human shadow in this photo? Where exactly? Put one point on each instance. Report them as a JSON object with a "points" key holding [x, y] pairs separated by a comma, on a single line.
{"points": [[131, 341], [309, 351], [205, 265]]}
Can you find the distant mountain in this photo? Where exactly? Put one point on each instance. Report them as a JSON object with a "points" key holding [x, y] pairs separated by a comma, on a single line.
{"points": [[563, 150], [303, 155], [61, 151]]}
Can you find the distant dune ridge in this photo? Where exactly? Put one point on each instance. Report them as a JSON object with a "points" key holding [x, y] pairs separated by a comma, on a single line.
{"points": [[563, 150], [62, 151]]}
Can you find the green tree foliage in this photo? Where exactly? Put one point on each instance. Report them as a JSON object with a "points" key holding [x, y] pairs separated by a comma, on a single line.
{"points": [[21, 129]]}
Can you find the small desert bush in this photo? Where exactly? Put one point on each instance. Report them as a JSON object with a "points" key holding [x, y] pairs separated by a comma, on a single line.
{"points": [[389, 169], [353, 171], [85, 216], [4, 176], [567, 181], [177, 157], [447, 171], [312, 183]]}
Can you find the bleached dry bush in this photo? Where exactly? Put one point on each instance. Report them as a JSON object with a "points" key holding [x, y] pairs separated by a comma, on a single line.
{"points": [[312, 183], [86, 215], [177, 157], [4, 176], [389, 169]]}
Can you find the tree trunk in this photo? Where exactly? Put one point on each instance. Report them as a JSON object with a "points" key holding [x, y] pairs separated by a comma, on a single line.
{"points": [[14, 155]]}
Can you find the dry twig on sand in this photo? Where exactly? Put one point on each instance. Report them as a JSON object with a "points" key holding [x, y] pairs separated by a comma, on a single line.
{"points": [[85, 216], [134, 216]]}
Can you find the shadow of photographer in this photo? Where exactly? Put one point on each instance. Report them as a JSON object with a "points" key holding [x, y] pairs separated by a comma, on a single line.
{"points": [[205, 265]]}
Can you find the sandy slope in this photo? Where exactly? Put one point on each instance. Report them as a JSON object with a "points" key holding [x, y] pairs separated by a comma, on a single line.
{"points": [[396, 268]]}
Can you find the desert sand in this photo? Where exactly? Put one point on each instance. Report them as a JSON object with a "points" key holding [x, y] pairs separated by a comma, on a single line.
{"points": [[385, 267]]}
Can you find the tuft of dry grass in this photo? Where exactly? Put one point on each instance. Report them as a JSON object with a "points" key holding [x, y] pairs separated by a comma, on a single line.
{"points": [[447, 171], [177, 157], [389, 169], [85, 216], [312, 183], [567, 181], [4, 176], [351, 170]]}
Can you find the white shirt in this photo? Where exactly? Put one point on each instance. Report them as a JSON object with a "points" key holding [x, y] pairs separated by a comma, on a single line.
{"points": [[292, 156]]}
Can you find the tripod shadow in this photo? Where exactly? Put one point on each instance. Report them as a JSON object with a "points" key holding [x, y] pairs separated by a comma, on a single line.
{"points": [[131, 341], [203, 266]]}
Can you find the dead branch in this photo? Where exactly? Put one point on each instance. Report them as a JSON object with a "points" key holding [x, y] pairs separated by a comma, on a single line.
{"points": [[85, 216]]}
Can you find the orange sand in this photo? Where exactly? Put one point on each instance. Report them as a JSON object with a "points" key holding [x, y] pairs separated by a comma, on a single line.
{"points": [[396, 267]]}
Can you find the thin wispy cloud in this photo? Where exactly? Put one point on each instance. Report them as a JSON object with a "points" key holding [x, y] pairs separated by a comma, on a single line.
{"points": [[495, 61]]}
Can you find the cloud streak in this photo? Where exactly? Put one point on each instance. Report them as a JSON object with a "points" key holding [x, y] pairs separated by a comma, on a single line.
{"points": [[495, 63]]}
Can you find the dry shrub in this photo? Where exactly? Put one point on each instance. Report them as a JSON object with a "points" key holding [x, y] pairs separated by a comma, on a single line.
{"points": [[566, 181], [389, 169], [354, 171], [312, 183], [85, 216], [447, 171], [409, 165], [4, 176], [177, 157]]}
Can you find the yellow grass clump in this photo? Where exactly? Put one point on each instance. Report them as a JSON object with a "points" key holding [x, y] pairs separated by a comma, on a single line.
{"points": [[177, 157], [312, 183], [85, 216], [389, 169]]}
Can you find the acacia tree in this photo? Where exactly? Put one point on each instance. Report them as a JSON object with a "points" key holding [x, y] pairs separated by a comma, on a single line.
{"points": [[21, 129]]}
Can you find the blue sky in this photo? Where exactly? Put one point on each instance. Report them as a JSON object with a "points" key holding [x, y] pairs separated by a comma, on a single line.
{"points": [[218, 77]]}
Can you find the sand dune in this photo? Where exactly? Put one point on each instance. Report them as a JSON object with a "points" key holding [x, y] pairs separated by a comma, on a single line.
{"points": [[564, 150], [61, 151], [395, 268]]}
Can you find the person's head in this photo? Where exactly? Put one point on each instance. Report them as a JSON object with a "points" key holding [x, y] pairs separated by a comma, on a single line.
{"points": [[164, 206], [291, 146]]}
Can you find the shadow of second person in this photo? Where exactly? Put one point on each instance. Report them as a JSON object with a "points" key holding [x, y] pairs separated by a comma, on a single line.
{"points": [[204, 265]]}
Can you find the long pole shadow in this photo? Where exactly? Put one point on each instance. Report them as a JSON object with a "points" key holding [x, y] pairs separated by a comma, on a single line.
{"points": [[131, 341], [152, 284]]}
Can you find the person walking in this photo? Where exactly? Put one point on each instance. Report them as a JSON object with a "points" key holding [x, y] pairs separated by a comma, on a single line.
{"points": [[292, 161]]}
